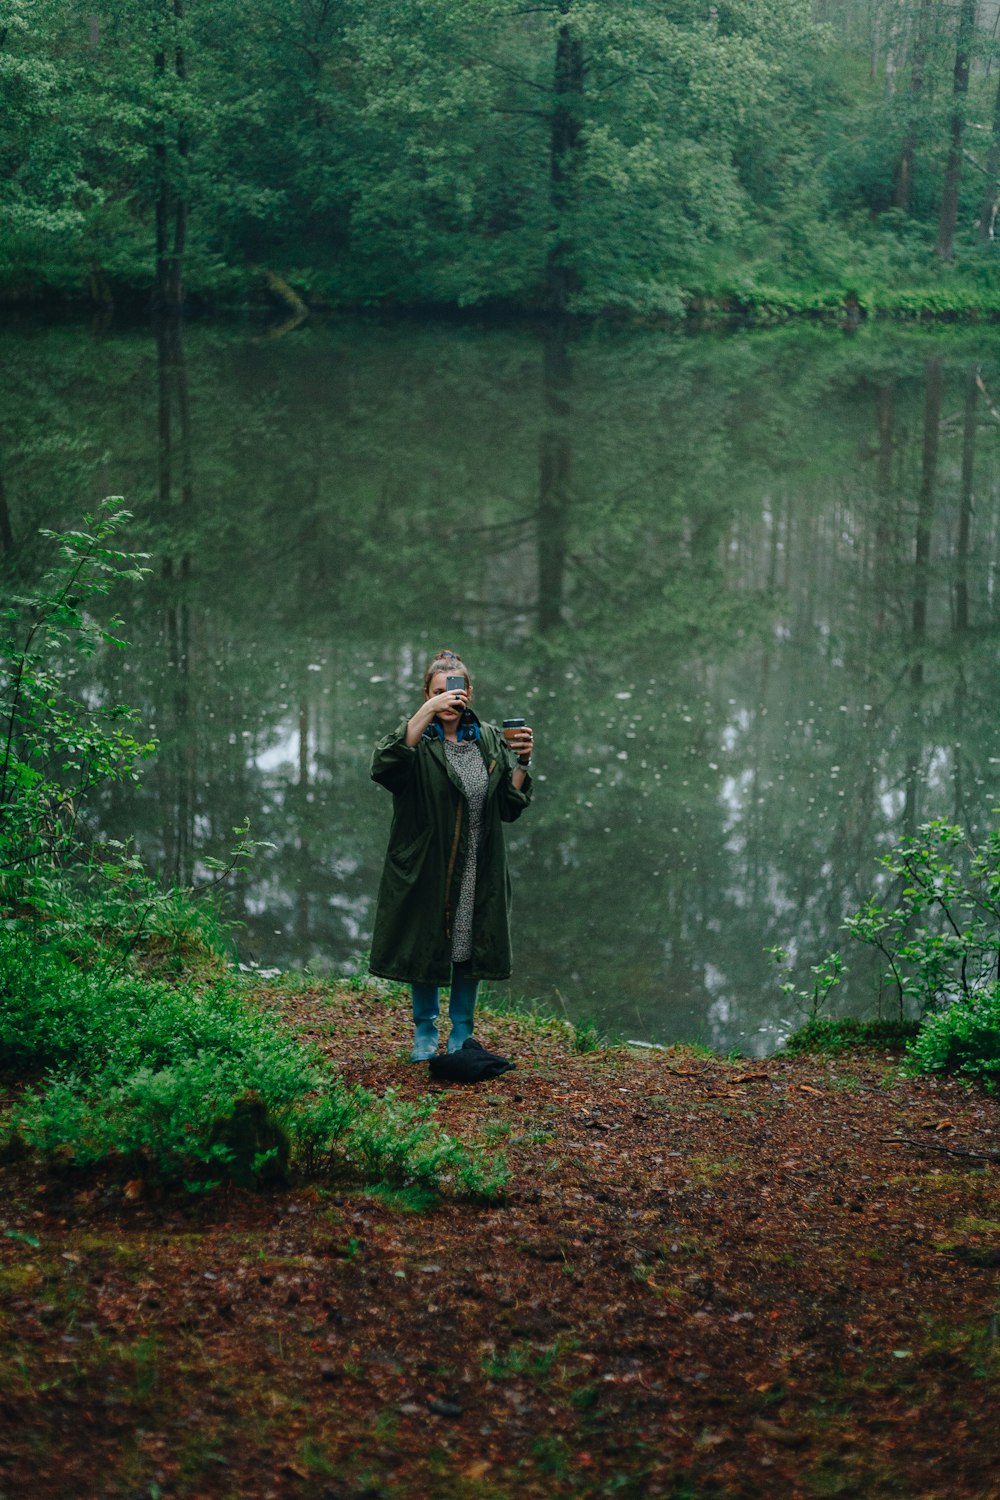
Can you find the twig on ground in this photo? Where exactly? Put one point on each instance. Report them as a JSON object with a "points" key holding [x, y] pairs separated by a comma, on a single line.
{"points": [[905, 1140]]}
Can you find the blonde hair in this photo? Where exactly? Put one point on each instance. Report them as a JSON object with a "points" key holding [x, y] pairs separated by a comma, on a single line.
{"points": [[447, 661]]}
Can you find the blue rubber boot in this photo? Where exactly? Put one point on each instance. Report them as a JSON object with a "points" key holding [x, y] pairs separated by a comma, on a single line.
{"points": [[461, 1007], [425, 1015]]}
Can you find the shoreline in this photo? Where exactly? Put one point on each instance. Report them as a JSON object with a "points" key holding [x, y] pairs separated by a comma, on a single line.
{"points": [[847, 307]]}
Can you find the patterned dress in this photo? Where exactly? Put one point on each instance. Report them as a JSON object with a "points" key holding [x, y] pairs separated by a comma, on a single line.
{"points": [[466, 761]]}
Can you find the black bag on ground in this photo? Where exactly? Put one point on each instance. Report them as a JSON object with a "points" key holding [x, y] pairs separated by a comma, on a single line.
{"points": [[470, 1064]]}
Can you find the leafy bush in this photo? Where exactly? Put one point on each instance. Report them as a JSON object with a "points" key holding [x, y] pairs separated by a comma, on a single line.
{"points": [[937, 931], [965, 1038], [939, 937], [165, 1073], [90, 896], [56, 748]]}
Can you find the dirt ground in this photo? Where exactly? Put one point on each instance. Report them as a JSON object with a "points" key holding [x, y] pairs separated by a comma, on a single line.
{"points": [[708, 1279]]}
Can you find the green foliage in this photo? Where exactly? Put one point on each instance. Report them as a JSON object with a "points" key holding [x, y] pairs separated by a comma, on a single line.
{"points": [[827, 976], [963, 1039], [55, 748], [136, 1065], [193, 1080], [586, 1037], [59, 747], [939, 939], [458, 151]]}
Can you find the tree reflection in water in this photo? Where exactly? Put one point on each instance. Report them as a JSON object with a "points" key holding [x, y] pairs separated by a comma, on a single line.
{"points": [[744, 586]]}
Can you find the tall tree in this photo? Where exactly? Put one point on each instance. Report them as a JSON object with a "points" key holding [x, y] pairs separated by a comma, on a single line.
{"points": [[925, 515], [953, 167], [903, 185], [562, 277], [991, 191], [965, 500], [171, 153]]}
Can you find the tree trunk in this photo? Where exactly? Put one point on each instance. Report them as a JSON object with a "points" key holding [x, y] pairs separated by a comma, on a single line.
{"points": [[162, 192], [170, 153], [564, 144], [991, 194], [164, 447], [554, 464], [913, 778], [925, 513], [965, 503], [178, 366], [6, 530], [885, 528], [895, 46], [953, 167], [904, 168], [181, 203]]}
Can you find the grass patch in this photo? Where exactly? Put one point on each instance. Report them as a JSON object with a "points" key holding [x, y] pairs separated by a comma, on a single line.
{"points": [[404, 1200], [586, 1035], [849, 1034]]}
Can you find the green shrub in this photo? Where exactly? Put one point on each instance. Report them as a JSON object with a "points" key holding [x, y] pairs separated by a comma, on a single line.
{"points": [[964, 1039], [195, 1083], [938, 934], [937, 931]]}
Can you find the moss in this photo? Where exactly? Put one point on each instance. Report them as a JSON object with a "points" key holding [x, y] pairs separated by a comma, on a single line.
{"points": [[21, 1278]]}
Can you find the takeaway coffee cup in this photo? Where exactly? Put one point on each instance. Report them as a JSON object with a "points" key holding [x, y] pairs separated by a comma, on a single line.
{"points": [[510, 728]]}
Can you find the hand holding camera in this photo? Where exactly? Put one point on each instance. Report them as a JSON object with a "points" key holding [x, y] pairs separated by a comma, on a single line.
{"points": [[454, 699]]}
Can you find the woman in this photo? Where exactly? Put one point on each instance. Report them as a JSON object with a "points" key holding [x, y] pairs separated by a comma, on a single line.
{"points": [[443, 912]]}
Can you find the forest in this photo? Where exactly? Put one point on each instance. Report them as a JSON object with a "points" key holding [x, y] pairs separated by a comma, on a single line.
{"points": [[641, 158], [335, 333]]}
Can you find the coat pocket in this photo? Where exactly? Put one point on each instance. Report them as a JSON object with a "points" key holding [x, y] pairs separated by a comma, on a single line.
{"points": [[407, 859]]}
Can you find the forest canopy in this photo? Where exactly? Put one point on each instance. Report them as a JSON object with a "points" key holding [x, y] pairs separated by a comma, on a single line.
{"points": [[551, 154]]}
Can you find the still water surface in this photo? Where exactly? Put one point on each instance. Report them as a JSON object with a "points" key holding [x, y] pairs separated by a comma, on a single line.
{"points": [[744, 587]]}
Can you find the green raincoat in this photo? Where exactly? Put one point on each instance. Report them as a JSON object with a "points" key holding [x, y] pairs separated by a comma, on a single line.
{"points": [[428, 844]]}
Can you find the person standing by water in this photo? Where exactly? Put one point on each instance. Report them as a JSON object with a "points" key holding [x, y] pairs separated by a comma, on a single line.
{"points": [[443, 912]]}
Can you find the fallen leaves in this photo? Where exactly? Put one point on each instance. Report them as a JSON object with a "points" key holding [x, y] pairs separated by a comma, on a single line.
{"points": [[776, 1434], [767, 1259]]}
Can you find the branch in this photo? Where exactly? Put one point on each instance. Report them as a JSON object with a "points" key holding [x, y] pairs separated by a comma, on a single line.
{"points": [[994, 412], [967, 156], [905, 1140], [512, 73], [614, 82]]}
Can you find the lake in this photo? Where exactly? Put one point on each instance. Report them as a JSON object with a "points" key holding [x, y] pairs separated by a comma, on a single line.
{"points": [[744, 585]]}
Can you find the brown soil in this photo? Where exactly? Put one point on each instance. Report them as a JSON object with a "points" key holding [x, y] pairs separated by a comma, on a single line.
{"points": [[709, 1279]]}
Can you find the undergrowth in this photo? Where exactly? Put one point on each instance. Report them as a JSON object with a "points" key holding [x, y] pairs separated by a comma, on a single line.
{"points": [[584, 1035], [191, 1083], [848, 1034], [936, 929], [964, 1039]]}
